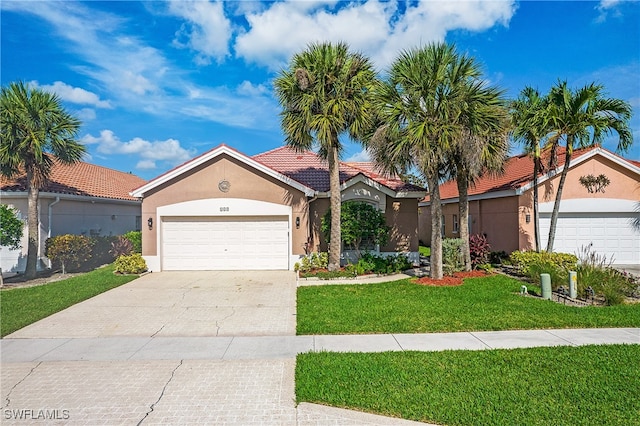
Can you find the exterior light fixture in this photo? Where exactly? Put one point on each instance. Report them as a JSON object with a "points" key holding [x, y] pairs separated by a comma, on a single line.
{"points": [[298, 222], [527, 218], [150, 223]]}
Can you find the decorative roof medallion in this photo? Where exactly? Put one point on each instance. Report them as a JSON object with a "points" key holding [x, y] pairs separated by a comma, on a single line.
{"points": [[224, 185]]}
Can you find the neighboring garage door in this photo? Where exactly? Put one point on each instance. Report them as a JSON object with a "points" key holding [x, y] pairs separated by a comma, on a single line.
{"points": [[225, 243], [611, 234]]}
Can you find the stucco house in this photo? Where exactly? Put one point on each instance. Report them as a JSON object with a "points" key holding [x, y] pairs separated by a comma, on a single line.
{"points": [[502, 207], [224, 210], [81, 199]]}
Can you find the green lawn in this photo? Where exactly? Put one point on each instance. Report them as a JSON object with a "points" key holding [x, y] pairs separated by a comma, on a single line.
{"points": [[588, 385], [22, 306], [488, 303]]}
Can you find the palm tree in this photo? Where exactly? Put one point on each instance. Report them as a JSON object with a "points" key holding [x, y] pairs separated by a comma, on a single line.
{"points": [[33, 125], [419, 109], [325, 94], [482, 147], [583, 118], [530, 126]]}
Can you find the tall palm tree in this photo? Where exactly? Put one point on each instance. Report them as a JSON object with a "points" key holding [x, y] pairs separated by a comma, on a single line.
{"points": [[325, 94], [583, 118], [419, 109], [33, 125], [481, 148], [530, 126]]}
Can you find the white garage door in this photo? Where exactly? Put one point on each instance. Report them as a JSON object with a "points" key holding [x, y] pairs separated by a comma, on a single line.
{"points": [[611, 234], [225, 243]]}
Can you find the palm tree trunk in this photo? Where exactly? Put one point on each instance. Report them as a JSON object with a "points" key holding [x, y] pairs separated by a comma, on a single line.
{"points": [[556, 204], [335, 245], [536, 214], [463, 211], [32, 227], [436, 228]]}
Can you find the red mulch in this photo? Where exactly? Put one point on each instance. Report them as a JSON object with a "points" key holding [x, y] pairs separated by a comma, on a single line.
{"points": [[450, 281]]}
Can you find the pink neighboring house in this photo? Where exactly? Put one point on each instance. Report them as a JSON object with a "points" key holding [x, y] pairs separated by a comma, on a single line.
{"points": [[502, 207]]}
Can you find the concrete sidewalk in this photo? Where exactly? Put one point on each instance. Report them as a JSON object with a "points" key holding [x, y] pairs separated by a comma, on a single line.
{"points": [[274, 347]]}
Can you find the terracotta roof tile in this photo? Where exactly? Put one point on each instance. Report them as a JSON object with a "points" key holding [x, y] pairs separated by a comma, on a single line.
{"points": [[82, 179], [308, 169]]}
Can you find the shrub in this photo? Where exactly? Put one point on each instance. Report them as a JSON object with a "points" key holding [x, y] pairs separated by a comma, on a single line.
{"points": [[135, 237], [594, 271], [101, 252], [557, 265], [452, 260], [312, 261], [70, 251], [11, 227], [130, 264], [121, 247], [479, 250]]}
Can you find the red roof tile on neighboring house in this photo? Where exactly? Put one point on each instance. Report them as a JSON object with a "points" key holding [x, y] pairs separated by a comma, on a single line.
{"points": [[308, 169], [518, 172], [82, 179]]}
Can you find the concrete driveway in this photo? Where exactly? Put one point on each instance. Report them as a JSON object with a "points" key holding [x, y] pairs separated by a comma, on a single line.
{"points": [[186, 304]]}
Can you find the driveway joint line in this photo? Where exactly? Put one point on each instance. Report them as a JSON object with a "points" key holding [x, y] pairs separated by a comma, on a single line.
{"points": [[8, 398], [67, 340], [227, 348], [164, 388]]}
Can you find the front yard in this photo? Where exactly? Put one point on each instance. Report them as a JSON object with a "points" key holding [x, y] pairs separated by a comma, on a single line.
{"points": [[539, 386], [23, 306], [487, 303]]}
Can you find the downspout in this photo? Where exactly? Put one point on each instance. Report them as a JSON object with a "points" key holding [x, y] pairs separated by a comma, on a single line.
{"points": [[50, 218]]}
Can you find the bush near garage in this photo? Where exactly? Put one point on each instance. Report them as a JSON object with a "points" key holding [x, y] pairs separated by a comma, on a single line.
{"points": [[135, 237], [557, 265], [69, 251], [130, 264]]}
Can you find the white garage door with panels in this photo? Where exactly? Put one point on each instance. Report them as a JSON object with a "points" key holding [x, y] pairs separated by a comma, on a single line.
{"points": [[229, 240], [610, 232]]}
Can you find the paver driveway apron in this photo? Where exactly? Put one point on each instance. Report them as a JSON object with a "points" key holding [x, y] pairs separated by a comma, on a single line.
{"points": [[190, 303]]}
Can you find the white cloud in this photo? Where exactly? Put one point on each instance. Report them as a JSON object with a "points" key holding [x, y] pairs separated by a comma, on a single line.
{"points": [[607, 8], [379, 29], [86, 114], [72, 94], [207, 30], [150, 152], [362, 156]]}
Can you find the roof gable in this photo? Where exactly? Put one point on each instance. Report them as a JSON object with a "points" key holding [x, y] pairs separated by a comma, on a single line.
{"points": [[209, 155], [81, 179]]}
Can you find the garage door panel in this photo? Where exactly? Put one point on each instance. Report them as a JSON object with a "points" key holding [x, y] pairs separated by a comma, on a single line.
{"points": [[610, 234], [215, 243]]}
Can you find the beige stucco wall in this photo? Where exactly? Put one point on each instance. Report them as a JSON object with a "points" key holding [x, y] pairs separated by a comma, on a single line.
{"points": [[246, 183]]}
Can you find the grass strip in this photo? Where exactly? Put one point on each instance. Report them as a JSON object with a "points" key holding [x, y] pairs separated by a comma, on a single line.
{"points": [[487, 303], [587, 385], [20, 307]]}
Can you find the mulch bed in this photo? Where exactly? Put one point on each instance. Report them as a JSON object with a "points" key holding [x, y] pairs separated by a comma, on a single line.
{"points": [[450, 281]]}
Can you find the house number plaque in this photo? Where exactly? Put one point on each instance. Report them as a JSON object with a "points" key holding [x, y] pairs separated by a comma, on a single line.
{"points": [[224, 185]]}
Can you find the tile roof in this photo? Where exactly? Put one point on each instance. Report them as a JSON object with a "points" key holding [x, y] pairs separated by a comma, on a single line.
{"points": [[517, 173], [81, 179], [308, 169]]}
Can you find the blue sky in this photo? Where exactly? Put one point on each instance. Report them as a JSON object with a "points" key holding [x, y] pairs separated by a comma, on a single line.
{"points": [[156, 83]]}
